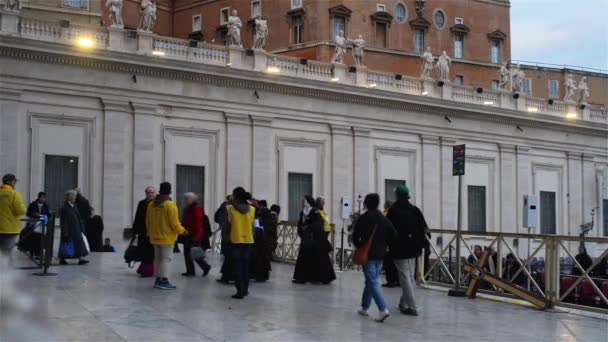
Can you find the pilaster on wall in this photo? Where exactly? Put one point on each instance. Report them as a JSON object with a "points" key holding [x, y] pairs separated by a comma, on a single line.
{"points": [[590, 190], [116, 169], [9, 133], [238, 151], [146, 135], [262, 184], [362, 161], [431, 180], [342, 163], [524, 172], [575, 193], [449, 186], [508, 194]]}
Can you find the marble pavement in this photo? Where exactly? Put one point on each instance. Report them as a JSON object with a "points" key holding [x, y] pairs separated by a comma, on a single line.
{"points": [[106, 301]]}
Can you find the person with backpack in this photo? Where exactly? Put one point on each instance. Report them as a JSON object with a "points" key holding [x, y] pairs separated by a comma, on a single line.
{"points": [[411, 229], [375, 229]]}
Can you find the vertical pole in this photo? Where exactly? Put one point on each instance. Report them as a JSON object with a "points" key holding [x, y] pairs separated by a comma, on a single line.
{"points": [[457, 291], [342, 247], [529, 269]]}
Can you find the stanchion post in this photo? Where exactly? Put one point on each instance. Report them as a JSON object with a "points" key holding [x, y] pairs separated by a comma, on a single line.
{"points": [[458, 170], [46, 253], [342, 247]]}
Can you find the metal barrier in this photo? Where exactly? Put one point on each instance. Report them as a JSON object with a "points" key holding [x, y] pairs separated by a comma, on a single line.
{"points": [[544, 275], [47, 240]]}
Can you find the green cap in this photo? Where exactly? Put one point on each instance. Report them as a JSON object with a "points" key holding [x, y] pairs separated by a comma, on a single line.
{"points": [[402, 190]]}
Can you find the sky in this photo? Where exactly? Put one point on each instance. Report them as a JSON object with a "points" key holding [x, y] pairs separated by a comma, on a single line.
{"points": [[564, 32]]}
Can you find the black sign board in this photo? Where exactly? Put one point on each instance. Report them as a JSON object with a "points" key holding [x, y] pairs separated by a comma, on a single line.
{"points": [[458, 160]]}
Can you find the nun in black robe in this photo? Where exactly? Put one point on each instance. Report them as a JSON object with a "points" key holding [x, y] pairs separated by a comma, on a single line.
{"points": [[260, 262], [313, 264]]}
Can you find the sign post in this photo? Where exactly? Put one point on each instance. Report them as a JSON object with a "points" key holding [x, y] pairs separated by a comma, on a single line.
{"points": [[458, 167]]}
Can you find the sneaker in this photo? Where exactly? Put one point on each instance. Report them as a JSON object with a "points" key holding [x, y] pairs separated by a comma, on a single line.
{"points": [[166, 285], [238, 296], [363, 312], [83, 262], [383, 316], [206, 271], [157, 283]]}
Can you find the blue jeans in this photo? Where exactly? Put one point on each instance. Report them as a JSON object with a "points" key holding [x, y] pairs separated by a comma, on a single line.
{"points": [[372, 289]]}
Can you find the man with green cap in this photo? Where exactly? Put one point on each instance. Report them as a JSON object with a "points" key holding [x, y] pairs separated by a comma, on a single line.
{"points": [[411, 226]]}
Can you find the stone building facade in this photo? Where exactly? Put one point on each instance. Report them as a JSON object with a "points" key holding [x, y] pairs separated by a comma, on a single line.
{"points": [[128, 112]]}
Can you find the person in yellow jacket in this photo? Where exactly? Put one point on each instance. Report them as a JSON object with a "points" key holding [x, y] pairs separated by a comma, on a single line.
{"points": [[163, 226], [321, 206], [241, 215], [11, 210]]}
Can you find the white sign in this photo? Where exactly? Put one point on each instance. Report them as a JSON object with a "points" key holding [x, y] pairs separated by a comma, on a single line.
{"points": [[346, 208]]}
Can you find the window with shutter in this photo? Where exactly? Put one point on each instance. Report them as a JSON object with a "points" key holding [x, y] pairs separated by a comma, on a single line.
{"points": [[477, 208], [548, 216], [299, 185], [60, 175], [189, 179]]}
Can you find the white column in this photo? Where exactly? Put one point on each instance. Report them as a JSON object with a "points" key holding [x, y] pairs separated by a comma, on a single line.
{"points": [[263, 168], [575, 195], [116, 165], [146, 157], [341, 168], [238, 151], [9, 134], [524, 173], [590, 189], [363, 162], [431, 180], [508, 195], [449, 186]]}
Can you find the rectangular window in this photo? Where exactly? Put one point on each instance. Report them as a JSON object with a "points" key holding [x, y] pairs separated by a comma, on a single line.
{"points": [[296, 4], [380, 35], [196, 23], [81, 4], [380, 7], [189, 179], [476, 208], [458, 42], [299, 185], [548, 216], [338, 24], [495, 84], [256, 8], [528, 86], [605, 212], [459, 80], [495, 52], [418, 40], [296, 23], [224, 14], [389, 189], [553, 88], [60, 175]]}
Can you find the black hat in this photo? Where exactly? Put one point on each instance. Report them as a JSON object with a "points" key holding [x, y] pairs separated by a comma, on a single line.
{"points": [[7, 178], [165, 188]]}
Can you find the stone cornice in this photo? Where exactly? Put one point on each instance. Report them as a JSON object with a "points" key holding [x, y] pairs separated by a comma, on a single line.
{"points": [[574, 155], [447, 141], [341, 130], [237, 119], [521, 149], [144, 108], [429, 139], [116, 105], [588, 157], [214, 75], [506, 148], [258, 121], [361, 132]]}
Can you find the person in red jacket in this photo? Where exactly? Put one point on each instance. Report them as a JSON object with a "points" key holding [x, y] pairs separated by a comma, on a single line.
{"points": [[192, 221]]}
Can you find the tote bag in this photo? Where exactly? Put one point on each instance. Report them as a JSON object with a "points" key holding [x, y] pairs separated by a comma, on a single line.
{"points": [[360, 257], [66, 250]]}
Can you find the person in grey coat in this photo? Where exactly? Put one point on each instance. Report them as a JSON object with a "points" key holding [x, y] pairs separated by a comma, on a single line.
{"points": [[71, 229]]}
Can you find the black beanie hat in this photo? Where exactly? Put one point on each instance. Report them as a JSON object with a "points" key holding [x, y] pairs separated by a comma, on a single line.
{"points": [[165, 188]]}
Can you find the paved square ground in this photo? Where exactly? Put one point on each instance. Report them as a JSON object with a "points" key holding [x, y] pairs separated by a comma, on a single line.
{"points": [[106, 301]]}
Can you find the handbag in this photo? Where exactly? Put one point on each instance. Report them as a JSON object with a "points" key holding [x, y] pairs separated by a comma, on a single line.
{"points": [[197, 253], [361, 255], [132, 254], [66, 250]]}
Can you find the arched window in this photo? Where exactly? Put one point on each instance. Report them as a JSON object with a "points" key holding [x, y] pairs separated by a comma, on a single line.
{"points": [[439, 19], [400, 12]]}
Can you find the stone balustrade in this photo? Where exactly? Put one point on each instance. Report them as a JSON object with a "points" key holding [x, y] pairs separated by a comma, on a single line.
{"points": [[149, 44]]}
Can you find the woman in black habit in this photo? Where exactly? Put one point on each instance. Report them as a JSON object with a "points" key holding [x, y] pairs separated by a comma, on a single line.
{"points": [[260, 262], [313, 264]]}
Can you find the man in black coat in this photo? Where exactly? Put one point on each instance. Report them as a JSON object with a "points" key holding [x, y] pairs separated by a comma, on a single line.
{"points": [[411, 229], [31, 235], [221, 218], [144, 248]]}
